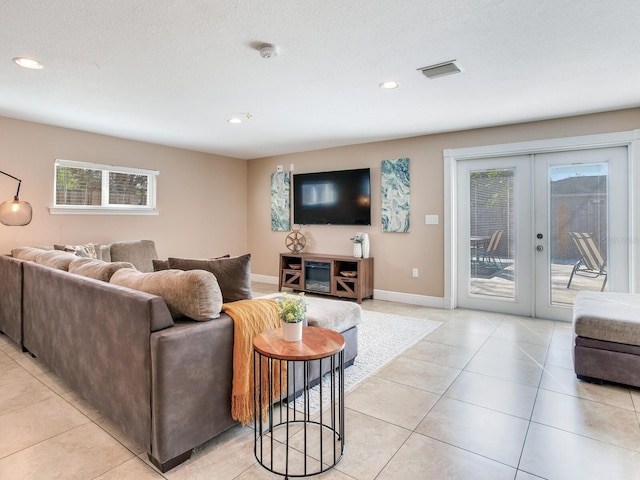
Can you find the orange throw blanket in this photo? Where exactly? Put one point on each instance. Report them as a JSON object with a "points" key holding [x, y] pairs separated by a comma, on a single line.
{"points": [[250, 317]]}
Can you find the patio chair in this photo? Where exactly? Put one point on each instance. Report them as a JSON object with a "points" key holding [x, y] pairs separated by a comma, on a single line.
{"points": [[591, 263], [489, 255]]}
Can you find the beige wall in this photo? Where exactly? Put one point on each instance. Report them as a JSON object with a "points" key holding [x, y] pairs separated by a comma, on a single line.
{"points": [[201, 198], [397, 253], [231, 196]]}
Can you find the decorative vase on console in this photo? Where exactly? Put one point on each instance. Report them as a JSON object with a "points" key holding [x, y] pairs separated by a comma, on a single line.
{"points": [[292, 313], [357, 244], [365, 245]]}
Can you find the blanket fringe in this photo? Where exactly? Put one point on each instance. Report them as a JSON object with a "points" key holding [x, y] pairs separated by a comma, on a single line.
{"points": [[250, 318]]}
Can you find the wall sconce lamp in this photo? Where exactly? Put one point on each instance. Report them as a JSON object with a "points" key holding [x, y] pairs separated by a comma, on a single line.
{"points": [[15, 212]]}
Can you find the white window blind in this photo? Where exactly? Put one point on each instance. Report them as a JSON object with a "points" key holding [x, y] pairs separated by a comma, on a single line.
{"points": [[92, 188]]}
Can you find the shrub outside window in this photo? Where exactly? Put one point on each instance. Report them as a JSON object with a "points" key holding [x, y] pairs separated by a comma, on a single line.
{"points": [[91, 188]]}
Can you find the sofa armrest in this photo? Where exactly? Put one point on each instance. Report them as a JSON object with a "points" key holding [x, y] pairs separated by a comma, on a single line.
{"points": [[11, 297], [192, 369]]}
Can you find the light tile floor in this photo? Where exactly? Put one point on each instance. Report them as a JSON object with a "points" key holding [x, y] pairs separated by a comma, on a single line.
{"points": [[485, 396]]}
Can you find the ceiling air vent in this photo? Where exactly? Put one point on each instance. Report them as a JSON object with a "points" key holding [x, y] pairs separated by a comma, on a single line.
{"points": [[440, 70]]}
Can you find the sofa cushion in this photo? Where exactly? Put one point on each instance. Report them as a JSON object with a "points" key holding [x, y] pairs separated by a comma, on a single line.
{"points": [[139, 252], [26, 253], [55, 259], [233, 274], [611, 317], [194, 294], [97, 269]]}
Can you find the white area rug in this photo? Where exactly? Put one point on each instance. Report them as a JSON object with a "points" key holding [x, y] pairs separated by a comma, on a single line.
{"points": [[381, 338]]}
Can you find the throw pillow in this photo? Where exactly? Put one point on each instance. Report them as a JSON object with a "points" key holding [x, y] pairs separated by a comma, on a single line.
{"points": [[233, 274], [193, 294], [160, 265], [139, 252], [97, 269], [103, 252], [85, 251]]}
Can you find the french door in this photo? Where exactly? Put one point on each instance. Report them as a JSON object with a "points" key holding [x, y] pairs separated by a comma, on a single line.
{"points": [[535, 229]]}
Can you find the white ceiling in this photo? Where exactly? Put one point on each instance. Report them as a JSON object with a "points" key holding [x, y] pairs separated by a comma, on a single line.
{"points": [[173, 72]]}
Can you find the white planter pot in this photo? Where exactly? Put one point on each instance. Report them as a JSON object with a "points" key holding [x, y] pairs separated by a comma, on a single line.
{"points": [[357, 250], [292, 332]]}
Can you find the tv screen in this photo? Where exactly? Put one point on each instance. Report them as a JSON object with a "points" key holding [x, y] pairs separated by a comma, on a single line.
{"points": [[342, 197]]}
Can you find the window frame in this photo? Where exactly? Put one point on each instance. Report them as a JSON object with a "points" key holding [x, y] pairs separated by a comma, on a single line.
{"points": [[105, 208]]}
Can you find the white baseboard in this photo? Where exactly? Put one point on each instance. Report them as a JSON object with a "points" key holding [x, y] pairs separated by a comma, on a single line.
{"points": [[256, 277], [399, 297], [410, 298]]}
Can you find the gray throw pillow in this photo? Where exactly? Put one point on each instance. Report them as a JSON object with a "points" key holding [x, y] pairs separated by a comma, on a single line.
{"points": [[233, 274], [139, 252], [160, 265]]}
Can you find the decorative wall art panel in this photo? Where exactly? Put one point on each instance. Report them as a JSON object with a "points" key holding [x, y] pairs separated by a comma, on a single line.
{"points": [[395, 195], [280, 202]]}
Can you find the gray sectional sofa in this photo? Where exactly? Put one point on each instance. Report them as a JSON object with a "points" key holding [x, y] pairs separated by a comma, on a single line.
{"points": [[164, 381]]}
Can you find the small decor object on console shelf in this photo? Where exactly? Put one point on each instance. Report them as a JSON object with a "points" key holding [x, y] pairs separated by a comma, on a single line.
{"points": [[295, 241], [292, 313], [360, 244], [365, 245]]}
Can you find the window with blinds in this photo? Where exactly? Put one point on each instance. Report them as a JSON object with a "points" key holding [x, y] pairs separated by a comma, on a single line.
{"points": [[90, 187]]}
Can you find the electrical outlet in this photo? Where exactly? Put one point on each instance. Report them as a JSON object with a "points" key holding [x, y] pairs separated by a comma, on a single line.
{"points": [[415, 273], [291, 167]]}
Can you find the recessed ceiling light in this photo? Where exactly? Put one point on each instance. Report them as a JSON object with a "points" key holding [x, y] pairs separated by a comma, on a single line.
{"points": [[239, 118], [389, 85], [28, 63]]}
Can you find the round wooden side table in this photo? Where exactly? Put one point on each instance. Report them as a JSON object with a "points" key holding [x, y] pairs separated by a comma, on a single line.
{"points": [[302, 441]]}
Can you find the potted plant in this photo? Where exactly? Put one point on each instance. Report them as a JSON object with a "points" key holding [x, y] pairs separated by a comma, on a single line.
{"points": [[292, 313]]}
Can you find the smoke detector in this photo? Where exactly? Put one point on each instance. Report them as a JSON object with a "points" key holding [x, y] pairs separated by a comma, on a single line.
{"points": [[267, 50]]}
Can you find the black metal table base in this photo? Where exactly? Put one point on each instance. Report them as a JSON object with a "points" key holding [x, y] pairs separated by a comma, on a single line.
{"points": [[319, 441]]}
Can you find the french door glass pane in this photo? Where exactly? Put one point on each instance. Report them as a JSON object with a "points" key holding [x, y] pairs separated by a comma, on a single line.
{"points": [[492, 233], [578, 230]]}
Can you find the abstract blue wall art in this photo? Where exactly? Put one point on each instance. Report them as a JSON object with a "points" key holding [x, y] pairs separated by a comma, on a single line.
{"points": [[395, 195], [280, 202]]}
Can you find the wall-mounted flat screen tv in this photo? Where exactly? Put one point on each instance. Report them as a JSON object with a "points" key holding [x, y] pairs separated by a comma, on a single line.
{"points": [[342, 197]]}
